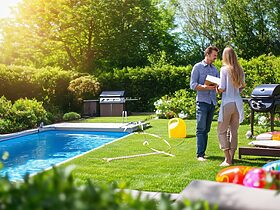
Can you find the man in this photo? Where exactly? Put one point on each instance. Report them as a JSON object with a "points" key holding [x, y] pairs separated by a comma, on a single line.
{"points": [[205, 99]]}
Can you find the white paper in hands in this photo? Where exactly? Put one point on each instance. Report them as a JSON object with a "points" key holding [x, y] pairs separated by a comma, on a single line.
{"points": [[211, 80]]}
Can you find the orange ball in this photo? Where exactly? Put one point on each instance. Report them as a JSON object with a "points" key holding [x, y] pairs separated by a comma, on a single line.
{"points": [[233, 174]]}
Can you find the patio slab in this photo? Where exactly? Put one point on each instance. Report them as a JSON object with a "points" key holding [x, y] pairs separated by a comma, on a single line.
{"points": [[230, 196]]}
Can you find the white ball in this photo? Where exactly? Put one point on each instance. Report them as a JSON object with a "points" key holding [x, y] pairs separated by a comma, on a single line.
{"points": [[248, 134]]}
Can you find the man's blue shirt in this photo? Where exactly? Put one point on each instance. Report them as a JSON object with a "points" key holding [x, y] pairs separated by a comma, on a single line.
{"points": [[198, 76]]}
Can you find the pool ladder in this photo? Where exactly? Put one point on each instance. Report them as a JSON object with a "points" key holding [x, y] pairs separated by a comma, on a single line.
{"points": [[124, 116]]}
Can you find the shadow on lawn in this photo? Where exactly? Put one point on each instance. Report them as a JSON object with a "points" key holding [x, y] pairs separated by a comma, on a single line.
{"points": [[254, 162], [247, 163], [190, 136], [214, 157]]}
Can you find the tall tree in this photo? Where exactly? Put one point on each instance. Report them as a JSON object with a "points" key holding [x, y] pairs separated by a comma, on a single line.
{"points": [[201, 26], [246, 24], [251, 26], [88, 34]]}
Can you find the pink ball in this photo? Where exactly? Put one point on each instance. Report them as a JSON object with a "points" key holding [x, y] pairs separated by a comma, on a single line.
{"points": [[255, 178]]}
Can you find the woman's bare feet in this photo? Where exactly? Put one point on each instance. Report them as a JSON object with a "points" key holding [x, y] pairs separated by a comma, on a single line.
{"points": [[224, 164]]}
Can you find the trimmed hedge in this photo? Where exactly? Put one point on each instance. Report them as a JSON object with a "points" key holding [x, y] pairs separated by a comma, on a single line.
{"points": [[151, 83], [58, 89], [148, 84], [65, 89]]}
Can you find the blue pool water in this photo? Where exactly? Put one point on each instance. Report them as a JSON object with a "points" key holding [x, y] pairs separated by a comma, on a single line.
{"points": [[36, 152]]}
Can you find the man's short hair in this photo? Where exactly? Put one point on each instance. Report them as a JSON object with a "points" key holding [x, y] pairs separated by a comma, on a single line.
{"points": [[210, 49]]}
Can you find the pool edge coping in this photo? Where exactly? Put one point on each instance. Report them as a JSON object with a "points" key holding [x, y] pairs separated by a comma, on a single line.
{"points": [[106, 127]]}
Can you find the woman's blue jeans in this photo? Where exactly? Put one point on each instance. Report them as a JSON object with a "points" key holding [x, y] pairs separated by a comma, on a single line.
{"points": [[204, 117]]}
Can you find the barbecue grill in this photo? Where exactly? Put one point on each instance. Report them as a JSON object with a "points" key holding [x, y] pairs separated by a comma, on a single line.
{"points": [[265, 98], [112, 103]]}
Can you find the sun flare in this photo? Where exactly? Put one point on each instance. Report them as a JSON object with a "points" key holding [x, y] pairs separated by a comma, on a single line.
{"points": [[5, 8]]}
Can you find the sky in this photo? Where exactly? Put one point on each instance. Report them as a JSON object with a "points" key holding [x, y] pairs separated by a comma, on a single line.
{"points": [[5, 7]]}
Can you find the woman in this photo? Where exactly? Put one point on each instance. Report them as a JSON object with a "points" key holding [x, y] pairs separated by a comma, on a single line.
{"points": [[231, 112]]}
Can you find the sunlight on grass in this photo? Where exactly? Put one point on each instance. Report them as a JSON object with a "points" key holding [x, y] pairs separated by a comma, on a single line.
{"points": [[157, 172]]}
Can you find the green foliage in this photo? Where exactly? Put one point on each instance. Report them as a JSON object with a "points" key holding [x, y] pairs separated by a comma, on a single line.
{"points": [[28, 113], [71, 116], [151, 83], [5, 107], [260, 70], [52, 84], [5, 113], [84, 87], [54, 114], [251, 26], [254, 31], [88, 35], [49, 85], [264, 69], [95, 36], [148, 84], [15, 82], [23, 114], [181, 102], [59, 89], [6, 125]]}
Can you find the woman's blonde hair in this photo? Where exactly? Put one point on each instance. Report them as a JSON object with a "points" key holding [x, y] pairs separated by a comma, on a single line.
{"points": [[233, 66]]}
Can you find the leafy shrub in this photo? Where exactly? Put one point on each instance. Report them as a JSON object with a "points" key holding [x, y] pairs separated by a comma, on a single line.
{"points": [[54, 114], [264, 69], [5, 107], [46, 84], [71, 116], [23, 114], [84, 87], [16, 82], [5, 125], [182, 102], [28, 113], [59, 191], [52, 84]]}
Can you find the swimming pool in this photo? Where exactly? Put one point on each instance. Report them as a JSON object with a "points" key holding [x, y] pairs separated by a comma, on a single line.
{"points": [[39, 151]]}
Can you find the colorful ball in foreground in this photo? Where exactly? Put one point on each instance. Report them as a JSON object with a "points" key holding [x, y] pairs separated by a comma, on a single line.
{"points": [[233, 174], [255, 178], [272, 166], [260, 178]]}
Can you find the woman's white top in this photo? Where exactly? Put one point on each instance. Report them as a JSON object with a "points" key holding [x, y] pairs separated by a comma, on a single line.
{"points": [[231, 94]]}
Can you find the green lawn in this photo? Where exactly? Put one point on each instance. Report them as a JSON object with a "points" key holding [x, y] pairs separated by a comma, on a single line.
{"points": [[156, 172]]}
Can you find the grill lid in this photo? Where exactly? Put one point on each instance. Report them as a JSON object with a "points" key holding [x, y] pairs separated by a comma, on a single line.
{"points": [[266, 90], [112, 97], [114, 94]]}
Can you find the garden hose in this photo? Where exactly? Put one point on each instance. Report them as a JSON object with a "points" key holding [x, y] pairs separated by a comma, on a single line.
{"points": [[145, 143]]}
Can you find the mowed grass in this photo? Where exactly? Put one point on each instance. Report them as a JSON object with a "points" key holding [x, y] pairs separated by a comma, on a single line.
{"points": [[159, 173]]}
